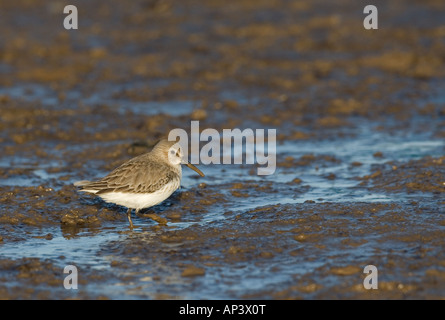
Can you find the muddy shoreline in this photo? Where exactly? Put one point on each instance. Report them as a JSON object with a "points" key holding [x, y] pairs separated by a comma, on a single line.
{"points": [[360, 177]]}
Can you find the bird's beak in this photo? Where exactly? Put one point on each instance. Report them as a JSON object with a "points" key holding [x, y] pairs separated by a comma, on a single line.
{"points": [[191, 166]]}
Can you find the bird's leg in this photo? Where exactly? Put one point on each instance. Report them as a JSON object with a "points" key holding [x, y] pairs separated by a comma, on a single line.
{"points": [[129, 218]]}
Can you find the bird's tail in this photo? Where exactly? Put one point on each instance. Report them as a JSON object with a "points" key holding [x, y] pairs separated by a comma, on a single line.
{"points": [[81, 183], [85, 186]]}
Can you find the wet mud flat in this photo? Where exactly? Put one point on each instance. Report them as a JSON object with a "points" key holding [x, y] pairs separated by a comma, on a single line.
{"points": [[360, 177]]}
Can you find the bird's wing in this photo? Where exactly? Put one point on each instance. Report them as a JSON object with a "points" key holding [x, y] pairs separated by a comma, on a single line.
{"points": [[134, 176]]}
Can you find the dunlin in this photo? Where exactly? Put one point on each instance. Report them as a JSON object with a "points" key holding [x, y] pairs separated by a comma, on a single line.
{"points": [[143, 181]]}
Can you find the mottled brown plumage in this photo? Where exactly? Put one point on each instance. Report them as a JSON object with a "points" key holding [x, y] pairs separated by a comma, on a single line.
{"points": [[143, 181]]}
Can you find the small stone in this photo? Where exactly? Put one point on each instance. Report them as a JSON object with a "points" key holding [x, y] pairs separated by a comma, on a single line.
{"points": [[192, 271], [345, 271], [378, 154], [199, 114], [300, 237]]}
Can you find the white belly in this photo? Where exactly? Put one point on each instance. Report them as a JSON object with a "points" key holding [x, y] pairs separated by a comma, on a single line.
{"points": [[140, 200]]}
